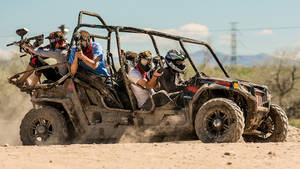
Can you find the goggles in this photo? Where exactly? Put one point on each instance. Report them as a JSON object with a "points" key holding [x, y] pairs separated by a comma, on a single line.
{"points": [[145, 61], [54, 40], [179, 62]]}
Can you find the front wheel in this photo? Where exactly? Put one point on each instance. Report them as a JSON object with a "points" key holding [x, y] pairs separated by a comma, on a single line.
{"points": [[219, 120], [44, 126], [274, 128]]}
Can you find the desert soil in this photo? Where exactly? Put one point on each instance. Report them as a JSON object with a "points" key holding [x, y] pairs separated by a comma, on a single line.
{"points": [[174, 154]]}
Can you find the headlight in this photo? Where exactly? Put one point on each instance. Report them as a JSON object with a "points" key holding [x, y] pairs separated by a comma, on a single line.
{"points": [[236, 85]]}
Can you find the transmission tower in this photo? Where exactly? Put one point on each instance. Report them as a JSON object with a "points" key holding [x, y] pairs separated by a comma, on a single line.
{"points": [[233, 43]]}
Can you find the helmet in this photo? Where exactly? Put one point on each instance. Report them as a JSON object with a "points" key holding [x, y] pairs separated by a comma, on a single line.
{"points": [[145, 55], [175, 60], [56, 37], [145, 61]]}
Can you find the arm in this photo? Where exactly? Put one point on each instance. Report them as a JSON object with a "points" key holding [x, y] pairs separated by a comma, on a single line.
{"points": [[73, 60], [97, 56], [166, 83], [34, 81], [43, 53], [150, 84], [169, 82], [74, 65], [93, 63]]}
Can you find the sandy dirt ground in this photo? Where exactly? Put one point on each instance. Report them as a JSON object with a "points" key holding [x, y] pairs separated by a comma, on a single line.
{"points": [[154, 155], [174, 154]]}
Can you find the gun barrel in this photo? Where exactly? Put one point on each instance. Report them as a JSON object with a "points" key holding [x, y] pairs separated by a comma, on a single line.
{"points": [[15, 43], [36, 37], [26, 40], [10, 44]]}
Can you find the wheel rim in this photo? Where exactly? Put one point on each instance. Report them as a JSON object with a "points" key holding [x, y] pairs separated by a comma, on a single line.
{"points": [[41, 129], [218, 122], [267, 128]]}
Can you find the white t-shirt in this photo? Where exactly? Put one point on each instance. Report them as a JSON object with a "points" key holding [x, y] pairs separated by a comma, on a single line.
{"points": [[141, 94], [60, 55]]}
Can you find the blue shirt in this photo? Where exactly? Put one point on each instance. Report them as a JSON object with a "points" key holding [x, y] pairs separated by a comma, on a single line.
{"points": [[97, 51]]}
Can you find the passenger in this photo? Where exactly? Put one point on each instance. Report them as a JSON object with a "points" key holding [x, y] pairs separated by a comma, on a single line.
{"points": [[90, 59], [57, 50], [138, 75], [171, 81], [91, 56]]}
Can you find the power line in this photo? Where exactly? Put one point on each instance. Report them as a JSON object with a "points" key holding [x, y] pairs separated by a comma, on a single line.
{"points": [[258, 28], [273, 28]]}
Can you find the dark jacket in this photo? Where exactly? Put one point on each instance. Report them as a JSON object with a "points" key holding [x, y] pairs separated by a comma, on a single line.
{"points": [[170, 81]]}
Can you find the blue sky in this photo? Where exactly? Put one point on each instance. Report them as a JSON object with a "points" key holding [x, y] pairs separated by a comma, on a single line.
{"points": [[199, 19]]}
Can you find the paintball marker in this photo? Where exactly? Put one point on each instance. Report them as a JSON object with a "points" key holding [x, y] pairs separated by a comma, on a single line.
{"points": [[160, 70], [77, 40], [39, 39], [157, 64]]}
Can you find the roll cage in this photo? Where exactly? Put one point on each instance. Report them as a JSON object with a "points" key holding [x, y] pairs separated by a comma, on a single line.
{"points": [[151, 33]]}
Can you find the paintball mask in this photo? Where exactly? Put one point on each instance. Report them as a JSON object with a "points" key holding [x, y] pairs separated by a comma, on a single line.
{"points": [[56, 37], [145, 61]]}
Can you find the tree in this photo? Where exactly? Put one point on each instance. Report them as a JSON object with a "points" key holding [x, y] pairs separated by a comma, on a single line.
{"points": [[285, 76]]}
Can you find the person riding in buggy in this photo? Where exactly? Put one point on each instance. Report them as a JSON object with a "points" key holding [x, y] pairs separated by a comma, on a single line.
{"points": [[57, 49]]}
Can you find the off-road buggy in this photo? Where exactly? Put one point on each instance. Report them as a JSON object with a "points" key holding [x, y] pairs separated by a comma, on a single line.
{"points": [[216, 109]]}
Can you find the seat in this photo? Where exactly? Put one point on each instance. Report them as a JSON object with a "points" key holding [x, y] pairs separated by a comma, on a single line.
{"points": [[130, 61], [98, 82], [122, 92]]}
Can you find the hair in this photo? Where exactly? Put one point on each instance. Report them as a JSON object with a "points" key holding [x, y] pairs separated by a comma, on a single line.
{"points": [[84, 34]]}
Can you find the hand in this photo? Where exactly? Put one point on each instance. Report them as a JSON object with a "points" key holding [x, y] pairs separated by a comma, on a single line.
{"points": [[28, 48], [203, 74], [13, 80], [79, 54], [156, 74], [16, 82]]}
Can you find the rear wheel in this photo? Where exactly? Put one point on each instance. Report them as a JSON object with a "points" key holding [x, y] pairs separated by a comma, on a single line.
{"points": [[44, 126], [219, 120], [274, 128]]}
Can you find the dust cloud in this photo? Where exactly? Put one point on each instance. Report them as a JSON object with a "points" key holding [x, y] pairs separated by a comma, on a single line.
{"points": [[166, 131], [13, 106]]}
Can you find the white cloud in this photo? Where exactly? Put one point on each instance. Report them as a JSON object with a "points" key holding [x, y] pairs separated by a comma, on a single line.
{"points": [[134, 38], [195, 29], [266, 32], [191, 30]]}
